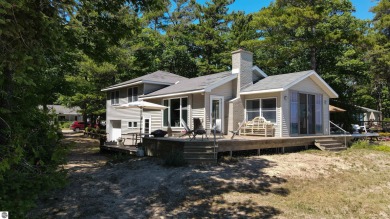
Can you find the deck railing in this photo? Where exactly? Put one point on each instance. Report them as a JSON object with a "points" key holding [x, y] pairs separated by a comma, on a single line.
{"points": [[345, 132]]}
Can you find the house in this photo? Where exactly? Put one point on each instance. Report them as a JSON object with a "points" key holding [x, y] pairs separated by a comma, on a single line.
{"points": [[65, 113], [367, 116], [296, 103]]}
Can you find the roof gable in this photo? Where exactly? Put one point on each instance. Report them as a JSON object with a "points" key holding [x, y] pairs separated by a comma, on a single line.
{"points": [[157, 77], [277, 83]]}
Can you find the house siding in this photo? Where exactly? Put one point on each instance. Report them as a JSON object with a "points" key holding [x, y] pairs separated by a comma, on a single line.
{"points": [[236, 113], [198, 110]]}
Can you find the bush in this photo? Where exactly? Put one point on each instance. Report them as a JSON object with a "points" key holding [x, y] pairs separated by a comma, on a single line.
{"points": [[65, 125], [175, 159], [384, 134], [366, 145], [29, 161]]}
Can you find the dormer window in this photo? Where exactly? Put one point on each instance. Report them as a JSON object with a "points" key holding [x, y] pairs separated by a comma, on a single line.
{"points": [[132, 94]]}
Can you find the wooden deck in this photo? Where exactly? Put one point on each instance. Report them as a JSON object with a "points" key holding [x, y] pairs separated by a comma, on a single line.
{"points": [[241, 143], [207, 150]]}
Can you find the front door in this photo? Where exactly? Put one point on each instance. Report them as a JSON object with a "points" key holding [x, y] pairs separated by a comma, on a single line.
{"points": [[216, 112]]}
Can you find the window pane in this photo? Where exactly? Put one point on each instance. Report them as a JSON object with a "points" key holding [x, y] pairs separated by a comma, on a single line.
{"points": [[130, 124], [184, 114], [129, 95], [252, 115], [135, 94], [165, 118], [135, 124], [252, 105], [116, 97], [175, 112], [270, 116], [294, 112], [112, 98], [268, 104]]}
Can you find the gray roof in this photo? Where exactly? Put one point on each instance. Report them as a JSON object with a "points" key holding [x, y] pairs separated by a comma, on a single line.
{"points": [[365, 109], [277, 81], [158, 77], [58, 109], [193, 84]]}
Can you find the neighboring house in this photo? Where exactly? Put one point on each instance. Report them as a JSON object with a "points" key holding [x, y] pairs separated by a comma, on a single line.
{"points": [[366, 116], [296, 103], [66, 114]]}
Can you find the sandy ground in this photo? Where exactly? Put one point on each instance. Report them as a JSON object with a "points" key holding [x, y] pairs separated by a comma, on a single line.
{"points": [[144, 188]]}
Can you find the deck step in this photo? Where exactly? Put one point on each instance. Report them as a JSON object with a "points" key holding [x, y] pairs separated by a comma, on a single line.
{"points": [[200, 153], [329, 145]]}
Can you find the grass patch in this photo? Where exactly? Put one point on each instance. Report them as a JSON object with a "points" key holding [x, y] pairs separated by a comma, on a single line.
{"points": [[119, 158], [370, 146]]}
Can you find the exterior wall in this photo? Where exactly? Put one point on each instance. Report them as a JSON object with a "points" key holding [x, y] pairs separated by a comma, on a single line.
{"points": [[278, 108], [228, 93], [198, 108], [124, 115], [236, 113]]}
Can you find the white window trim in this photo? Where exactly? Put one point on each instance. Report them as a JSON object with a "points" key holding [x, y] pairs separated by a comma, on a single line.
{"points": [[260, 107], [114, 104], [169, 114]]}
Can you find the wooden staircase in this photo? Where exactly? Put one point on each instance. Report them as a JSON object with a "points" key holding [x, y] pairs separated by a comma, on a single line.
{"points": [[329, 144], [200, 154]]}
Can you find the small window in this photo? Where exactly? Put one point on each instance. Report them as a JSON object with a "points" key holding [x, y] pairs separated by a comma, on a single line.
{"points": [[115, 97], [132, 125], [132, 94], [261, 107]]}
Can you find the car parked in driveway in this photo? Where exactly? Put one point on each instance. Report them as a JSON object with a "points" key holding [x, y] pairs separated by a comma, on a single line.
{"points": [[77, 126]]}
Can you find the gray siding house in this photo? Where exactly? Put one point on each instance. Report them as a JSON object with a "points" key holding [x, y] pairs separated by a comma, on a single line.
{"points": [[296, 103]]}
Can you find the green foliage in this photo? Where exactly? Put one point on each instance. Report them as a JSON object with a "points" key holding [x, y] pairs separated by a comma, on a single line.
{"points": [[367, 145], [65, 125], [175, 159]]}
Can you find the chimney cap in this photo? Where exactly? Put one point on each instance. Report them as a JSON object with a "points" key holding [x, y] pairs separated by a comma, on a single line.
{"points": [[241, 51]]}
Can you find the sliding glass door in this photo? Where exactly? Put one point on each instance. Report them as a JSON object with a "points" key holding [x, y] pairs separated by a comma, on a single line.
{"points": [[306, 114]]}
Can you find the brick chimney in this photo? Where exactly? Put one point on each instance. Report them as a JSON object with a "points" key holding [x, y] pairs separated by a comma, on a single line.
{"points": [[242, 63]]}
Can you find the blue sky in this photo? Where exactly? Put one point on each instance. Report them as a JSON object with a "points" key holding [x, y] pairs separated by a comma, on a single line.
{"points": [[362, 6]]}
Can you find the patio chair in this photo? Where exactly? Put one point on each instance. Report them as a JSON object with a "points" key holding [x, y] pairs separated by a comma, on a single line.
{"points": [[237, 131], [198, 128], [187, 130]]}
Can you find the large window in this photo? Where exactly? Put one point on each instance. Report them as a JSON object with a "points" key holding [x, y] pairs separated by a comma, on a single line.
{"points": [[132, 94], [115, 97], [261, 107], [177, 108]]}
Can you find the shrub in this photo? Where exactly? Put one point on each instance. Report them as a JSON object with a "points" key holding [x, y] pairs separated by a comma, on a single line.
{"points": [[175, 159], [366, 145], [65, 125], [384, 134]]}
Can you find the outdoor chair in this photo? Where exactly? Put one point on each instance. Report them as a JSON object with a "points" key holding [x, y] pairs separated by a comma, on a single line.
{"points": [[237, 131], [198, 129], [187, 130]]}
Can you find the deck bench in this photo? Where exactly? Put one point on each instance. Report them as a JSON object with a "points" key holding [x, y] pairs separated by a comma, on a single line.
{"points": [[258, 126]]}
